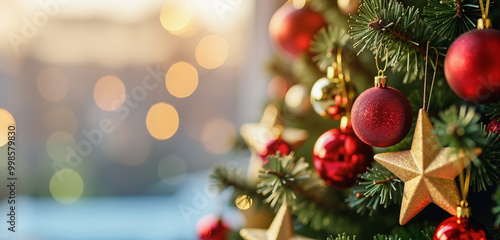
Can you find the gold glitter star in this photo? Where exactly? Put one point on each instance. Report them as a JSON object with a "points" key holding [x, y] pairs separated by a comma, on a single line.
{"points": [[281, 228], [257, 135], [428, 170]]}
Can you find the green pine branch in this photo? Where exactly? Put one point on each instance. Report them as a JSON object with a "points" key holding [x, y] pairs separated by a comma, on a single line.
{"points": [[493, 110], [423, 231], [496, 209], [285, 178], [460, 128], [450, 18], [222, 177], [377, 187], [387, 237], [342, 237], [325, 45], [401, 30], [485, 170]]}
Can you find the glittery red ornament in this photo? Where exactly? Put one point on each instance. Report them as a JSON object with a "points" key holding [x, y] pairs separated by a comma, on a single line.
{"points": [[472, 65], [455, 228], [494, 126], [381, 116], [292, 29], [212, 228], [339, 155], [274, 146]]}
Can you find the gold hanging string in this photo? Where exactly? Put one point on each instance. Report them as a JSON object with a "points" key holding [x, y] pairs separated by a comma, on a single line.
{"points": [[345, 97], [483, 11], [463, 210], [380, 79], [350, 90], [381, 72], [425, 76], [484, 22], [433, 78]]}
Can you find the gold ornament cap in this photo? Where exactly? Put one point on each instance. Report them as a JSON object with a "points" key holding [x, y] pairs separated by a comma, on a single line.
{"points": [[484, 23], [381, 81], [463, 211]]}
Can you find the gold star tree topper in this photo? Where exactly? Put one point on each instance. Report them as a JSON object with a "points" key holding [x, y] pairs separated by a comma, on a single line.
{"points": [[428, 170]]}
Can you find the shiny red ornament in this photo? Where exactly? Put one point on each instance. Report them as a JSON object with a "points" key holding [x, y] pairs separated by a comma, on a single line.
{"points": [[494, 126], [292, 30], [212, 228], [472, 65], [455, 228], [339, 155], [274, 146], [381, 116]]}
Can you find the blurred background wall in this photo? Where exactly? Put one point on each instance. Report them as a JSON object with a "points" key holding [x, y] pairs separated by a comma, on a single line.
{"points": [[120, 98]]}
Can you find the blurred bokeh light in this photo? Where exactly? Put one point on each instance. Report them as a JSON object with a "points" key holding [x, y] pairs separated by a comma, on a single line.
{"points": [[176, 17], [181, 79], [212, 51], [6, 120], [109, 93], [66, 186], [162, 121]]}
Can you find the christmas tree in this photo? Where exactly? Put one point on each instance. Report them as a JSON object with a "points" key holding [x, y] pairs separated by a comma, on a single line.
{"points": [[415, 155]]}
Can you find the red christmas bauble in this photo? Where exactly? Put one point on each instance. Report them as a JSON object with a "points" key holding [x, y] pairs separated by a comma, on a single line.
{"points": [[455, 228], [381, 116], [339, 155], [292, 29], [494, 126], [212, 228], [472, 65], [274, 146]]}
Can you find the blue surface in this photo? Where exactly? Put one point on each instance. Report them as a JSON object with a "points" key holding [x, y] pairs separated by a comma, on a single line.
{"points": [[140, 217]]}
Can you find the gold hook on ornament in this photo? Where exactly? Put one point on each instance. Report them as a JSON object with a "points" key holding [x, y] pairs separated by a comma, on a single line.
{"points": [[484, 22], [380, 79], [381, 72]]}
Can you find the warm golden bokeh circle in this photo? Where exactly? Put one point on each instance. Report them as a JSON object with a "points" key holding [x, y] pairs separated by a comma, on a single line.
{"points": [[6, 120], [181, 80], [212, 51], [109, 93], [176, 17], [162, 121]]}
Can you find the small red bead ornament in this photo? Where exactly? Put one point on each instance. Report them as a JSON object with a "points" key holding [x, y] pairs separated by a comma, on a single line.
{"points": [[212, 228], [273, 147], [494, 126]]}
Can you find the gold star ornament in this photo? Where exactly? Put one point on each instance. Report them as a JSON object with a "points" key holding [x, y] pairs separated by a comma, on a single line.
{"points": [[257, 135], [281, 228], [428, 171]]}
